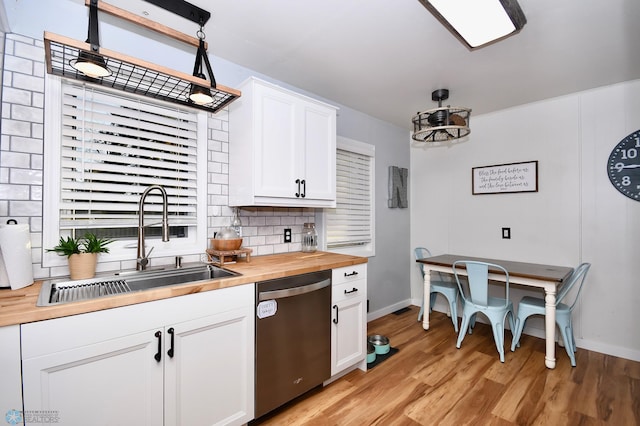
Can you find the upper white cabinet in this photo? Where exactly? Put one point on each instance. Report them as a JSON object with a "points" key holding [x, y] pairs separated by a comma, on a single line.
{"points": [[181, 361], [282, 148]]}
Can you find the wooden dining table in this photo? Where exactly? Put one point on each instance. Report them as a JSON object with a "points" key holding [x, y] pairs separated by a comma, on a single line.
{"points": [[546, 277]]}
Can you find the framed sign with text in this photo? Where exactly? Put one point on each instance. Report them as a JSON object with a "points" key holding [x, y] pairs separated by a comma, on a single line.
{"points": [[505, 178]]}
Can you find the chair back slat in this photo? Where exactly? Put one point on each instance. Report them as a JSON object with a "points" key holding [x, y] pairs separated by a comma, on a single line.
{"points": [[577, 278], [478, 275], [478, 281]]}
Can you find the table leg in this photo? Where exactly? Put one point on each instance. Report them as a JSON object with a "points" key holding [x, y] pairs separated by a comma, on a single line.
{"points": [[550, 327], [426, 297]]}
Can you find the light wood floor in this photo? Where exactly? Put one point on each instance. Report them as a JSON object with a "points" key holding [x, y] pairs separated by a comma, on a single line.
{"points": [[430, 382]]}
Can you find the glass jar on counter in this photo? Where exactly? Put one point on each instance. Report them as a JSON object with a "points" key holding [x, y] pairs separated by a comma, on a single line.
{"points": [[309, 238]]}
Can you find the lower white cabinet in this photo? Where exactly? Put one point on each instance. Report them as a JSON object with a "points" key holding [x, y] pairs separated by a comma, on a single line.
{"points": [[349, 328], [181, 361]]}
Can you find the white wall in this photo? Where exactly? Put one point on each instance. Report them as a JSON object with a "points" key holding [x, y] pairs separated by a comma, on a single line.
{"points": [[576, 216]]}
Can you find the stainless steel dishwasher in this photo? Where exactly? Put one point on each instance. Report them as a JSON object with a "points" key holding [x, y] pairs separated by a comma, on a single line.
{"points": [[293, 338]]}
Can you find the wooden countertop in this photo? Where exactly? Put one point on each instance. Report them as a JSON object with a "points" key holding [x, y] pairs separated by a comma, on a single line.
{"points": [[19, 306]]}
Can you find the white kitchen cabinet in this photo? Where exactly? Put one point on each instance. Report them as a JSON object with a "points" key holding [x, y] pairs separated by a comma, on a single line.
{"points": [[282, 148], [349, 328], [10, 373], [113, 366]]}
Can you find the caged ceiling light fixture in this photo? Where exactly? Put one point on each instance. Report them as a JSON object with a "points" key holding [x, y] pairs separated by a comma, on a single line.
{"points": [[478, 22], [443, 123], [66, 57]]}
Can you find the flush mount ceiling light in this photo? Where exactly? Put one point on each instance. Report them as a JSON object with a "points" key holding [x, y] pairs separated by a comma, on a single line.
{"points": [[478, 22], [133, 75], [443, 123]]}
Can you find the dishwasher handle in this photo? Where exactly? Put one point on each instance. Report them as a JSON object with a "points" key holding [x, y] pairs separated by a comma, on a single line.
{"points": [[293, 291]]}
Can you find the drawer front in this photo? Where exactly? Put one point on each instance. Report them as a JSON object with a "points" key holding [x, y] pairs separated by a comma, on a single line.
{"points": [[349, 274], [350, 290]]}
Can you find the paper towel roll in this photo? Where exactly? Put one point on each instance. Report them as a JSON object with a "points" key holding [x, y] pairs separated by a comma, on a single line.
{"points": [[16, 268]]}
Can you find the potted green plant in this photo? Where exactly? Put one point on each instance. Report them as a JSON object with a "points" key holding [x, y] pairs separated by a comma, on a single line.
{"points": [[82, 254]]}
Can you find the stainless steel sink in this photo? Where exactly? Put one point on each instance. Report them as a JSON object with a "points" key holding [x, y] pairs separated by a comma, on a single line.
{"points": [[54, 293]]}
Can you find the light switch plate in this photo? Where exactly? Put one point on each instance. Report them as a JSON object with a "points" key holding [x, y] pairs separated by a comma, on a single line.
{"points": [[506, 233]]}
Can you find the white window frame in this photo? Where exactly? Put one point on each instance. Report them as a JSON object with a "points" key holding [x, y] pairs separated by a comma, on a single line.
{"points": [[124, 250], [367, 250]]}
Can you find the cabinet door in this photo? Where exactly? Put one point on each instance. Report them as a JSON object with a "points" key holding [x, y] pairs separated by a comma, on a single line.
{"points": [[319, 136], [277, 145], [115, 382], [209, 379], [348, 340]]}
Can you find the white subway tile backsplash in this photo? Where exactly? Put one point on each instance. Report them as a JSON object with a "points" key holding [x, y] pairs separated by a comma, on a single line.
{"points": [[25, 208], [16, 96], [15, 159], [20, 65], [14, 192], [37, 130], [25, 176], [26, 113], [26, 145], [29, 51], [28, 82], [15, 127]]}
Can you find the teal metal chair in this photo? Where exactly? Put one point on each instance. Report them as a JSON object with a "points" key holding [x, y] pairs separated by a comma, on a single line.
{"points": [[476, 299], [447, 288], [564, 307]]}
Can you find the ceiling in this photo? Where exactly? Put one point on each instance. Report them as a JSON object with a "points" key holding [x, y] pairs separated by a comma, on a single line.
{"points": [[385, 58]]}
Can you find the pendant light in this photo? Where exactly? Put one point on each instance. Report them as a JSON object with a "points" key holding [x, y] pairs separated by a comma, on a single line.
{"points": [[66, 57], [92, 64], [201, 95], [443, 123]]}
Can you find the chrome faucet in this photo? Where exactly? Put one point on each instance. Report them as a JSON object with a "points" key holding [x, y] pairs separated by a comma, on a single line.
{"points": [[142, 256]]}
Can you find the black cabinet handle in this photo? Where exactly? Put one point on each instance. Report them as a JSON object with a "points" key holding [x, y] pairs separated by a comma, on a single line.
{"points": [[335, 320], [304, 188], [298, 193], [351, 274], [351, 291], [171, 331], [158, 355]]}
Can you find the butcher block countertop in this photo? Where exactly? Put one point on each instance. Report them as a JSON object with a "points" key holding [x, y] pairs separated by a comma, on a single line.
{"points": [[19, 306]]}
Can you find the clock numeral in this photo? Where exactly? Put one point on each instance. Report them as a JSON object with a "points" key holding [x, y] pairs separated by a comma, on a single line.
{"points": [[619, 167], [629, 153], [637, 142], [626, 180]]}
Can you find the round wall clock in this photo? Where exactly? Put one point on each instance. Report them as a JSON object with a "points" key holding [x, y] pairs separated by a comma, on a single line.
{"points": [[623, 166]]}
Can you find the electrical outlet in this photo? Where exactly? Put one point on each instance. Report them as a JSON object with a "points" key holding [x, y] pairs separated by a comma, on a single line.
{"points": [[287, 235], [506, 233]]}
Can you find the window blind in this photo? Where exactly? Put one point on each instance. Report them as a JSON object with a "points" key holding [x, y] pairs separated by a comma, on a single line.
{"points": [[350, 223], [113, 148]]}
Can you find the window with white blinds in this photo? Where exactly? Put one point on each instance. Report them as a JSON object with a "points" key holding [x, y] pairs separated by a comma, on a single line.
{"points": [[113, 148], [103, 148], [350, 225]]}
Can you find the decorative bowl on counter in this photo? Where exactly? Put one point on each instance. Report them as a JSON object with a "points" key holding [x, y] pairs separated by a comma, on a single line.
{"points": [[226, 245], [226, 240], [381, 343]]}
